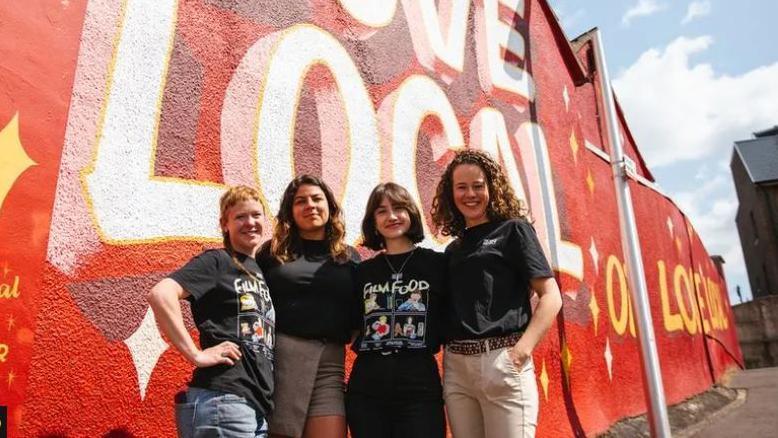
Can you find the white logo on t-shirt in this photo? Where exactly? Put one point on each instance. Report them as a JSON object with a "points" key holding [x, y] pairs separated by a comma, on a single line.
{"points": [[490, 242]]}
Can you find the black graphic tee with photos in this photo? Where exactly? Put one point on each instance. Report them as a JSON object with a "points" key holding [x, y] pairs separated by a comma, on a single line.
{"points": [[228, 304], [400, 310]]}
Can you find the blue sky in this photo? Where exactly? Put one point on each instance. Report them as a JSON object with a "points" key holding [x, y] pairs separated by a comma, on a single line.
{"points": [[693, 76]]}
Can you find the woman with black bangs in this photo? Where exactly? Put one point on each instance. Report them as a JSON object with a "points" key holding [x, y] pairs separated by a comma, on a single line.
{"points": [[394, 389]]}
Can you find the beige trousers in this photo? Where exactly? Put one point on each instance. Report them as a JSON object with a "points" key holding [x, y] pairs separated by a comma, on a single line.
{"points": [[487, 397]]}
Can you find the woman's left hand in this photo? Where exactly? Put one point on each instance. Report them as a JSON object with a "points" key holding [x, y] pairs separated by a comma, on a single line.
{"points": [[519, 354]]}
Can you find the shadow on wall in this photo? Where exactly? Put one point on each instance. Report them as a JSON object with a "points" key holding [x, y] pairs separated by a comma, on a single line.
{"points": [[757, 329]]}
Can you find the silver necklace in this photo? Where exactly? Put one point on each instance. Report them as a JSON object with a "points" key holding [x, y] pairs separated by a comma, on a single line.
{"points": [[397, 274]]}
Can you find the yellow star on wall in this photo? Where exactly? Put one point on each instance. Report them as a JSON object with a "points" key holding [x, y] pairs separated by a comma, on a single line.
{"points": [[595, 311], [13, 158], [544, 379], [590, 181], [574, 146], [567, 360]]}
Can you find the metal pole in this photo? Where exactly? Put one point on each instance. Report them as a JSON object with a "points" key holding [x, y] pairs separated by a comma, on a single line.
{"points": [[652, 375]]}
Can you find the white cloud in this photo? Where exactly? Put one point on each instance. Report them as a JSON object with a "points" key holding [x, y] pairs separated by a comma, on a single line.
{"points": [[711, 207], [696, 9], [642, 8], [685, 117], [682, 111]]}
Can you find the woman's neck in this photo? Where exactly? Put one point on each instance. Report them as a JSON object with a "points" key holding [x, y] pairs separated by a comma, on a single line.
{"points": [[317, 234], [398, 245], [251, 252], [313, 234], [474, 222]]}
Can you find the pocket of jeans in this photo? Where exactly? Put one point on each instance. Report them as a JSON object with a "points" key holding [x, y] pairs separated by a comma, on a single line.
{"points": [[525, 367], [185, 413], [227, 397], [510, 366], [236, 417]]}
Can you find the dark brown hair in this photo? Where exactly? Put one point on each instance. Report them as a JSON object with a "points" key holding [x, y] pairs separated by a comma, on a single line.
{"points": [[286, 237], [397, 196], [503, 203]]}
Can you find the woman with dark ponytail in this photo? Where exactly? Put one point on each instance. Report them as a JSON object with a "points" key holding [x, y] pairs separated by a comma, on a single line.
{"points": [[230, 393]]}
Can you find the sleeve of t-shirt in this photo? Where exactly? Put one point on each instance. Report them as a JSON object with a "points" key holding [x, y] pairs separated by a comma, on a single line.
{"points": [[529, 254], [357, 301], [353, 255], [357, 304], [264, 259], [441, 266], [199, 275]]}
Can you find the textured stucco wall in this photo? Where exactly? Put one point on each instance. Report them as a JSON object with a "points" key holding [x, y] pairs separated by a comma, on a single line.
{"points": [[121, 122]]}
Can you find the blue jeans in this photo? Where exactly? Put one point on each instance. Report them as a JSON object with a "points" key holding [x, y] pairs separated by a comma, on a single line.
{"points": [[209, 413]]}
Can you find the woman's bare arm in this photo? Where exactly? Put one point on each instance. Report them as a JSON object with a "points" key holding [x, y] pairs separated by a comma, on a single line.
{"points": [[164, 299], [548, 307]]}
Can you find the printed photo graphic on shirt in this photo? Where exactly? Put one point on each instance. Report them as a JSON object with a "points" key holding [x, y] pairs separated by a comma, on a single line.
{"points": [[256, 332], [256, 285], [256, 316], [397, 295], [378, 327], [409, 328], [414, 303], [394, 331], [247, 303], [372, 302]]}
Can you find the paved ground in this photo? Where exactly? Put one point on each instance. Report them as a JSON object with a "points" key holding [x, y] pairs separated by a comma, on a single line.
{"points": [[745, 406], [757, 417]]}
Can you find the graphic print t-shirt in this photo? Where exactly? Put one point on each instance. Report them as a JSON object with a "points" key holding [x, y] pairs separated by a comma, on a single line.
{"points": [[230, 305], [400, 312]]}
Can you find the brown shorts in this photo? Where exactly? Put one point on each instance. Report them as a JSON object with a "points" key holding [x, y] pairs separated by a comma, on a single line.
{"points": [[309, 378]]}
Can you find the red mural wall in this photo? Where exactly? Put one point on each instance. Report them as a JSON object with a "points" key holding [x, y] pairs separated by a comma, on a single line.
{"points": [[122, 121]]}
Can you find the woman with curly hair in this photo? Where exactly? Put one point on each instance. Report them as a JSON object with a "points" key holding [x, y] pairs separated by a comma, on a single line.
{"points": [[309, 269], [494, 265]]}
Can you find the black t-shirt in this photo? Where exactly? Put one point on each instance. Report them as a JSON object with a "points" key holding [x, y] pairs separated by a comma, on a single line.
{"points": [[312, 294], [489, 270], [402, 312], [230, 305]]}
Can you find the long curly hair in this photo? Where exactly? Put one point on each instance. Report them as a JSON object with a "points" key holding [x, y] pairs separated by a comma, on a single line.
{"points": [[503, 203], [286, 241]]}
